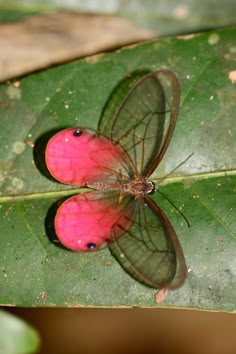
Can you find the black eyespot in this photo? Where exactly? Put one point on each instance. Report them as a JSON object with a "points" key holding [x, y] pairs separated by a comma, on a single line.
{"points": [[91, 245], [77, 132]]}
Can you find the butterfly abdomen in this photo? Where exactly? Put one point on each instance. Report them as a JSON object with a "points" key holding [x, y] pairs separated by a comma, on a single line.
{"points": [[134, 187]]}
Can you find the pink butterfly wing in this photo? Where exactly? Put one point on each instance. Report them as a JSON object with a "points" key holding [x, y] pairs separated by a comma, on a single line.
{"points": [[77, 155], [82, 157], [84, 222]]}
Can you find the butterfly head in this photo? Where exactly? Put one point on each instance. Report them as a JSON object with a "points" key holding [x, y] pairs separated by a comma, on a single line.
{"points": [[153, 188]]}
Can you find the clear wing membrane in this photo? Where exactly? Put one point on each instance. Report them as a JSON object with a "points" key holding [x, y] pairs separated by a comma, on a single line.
{"points": [[150, 250], [144, 123]]}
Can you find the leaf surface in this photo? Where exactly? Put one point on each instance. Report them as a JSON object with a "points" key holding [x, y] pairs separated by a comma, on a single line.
{"points": [[37, 271]]}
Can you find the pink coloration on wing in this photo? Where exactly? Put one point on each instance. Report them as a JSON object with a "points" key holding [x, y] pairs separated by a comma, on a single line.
{"points": [[75, 159], [83, 223]]}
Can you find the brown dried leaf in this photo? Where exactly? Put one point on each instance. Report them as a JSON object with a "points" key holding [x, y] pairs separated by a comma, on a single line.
{"points": [[43, 40]]}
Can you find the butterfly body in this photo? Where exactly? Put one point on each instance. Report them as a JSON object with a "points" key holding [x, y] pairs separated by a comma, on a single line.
{"points": [[137, 187]]}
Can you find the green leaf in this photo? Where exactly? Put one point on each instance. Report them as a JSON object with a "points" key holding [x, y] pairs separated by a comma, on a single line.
{"points": [[36, 270], [16, 337], [11, 11]]}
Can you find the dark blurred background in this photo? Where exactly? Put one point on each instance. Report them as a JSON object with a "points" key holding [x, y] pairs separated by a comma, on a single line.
{"points": [[136, 330]]}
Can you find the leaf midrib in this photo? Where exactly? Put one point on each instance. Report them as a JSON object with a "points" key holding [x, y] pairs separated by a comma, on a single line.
{"points": [[78, 190]]}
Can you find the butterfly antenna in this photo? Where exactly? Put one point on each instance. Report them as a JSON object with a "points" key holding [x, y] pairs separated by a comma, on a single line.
{"points": [[162, 179], [176, 168], [187, 222]]}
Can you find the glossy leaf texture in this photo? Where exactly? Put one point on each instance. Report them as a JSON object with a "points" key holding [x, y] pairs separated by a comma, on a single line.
{"points": [[35, 271]]}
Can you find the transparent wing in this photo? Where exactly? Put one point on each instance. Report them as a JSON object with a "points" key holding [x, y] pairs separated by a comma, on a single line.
{"points": [[115, 100], [144, 122], [150, 250]]}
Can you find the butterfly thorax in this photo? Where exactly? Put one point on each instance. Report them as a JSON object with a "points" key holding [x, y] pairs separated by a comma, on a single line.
{"points": [[139, 187], [135, 187]]}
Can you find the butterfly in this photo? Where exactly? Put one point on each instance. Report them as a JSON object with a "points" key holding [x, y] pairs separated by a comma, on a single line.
{"points": [[120, 213]]}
